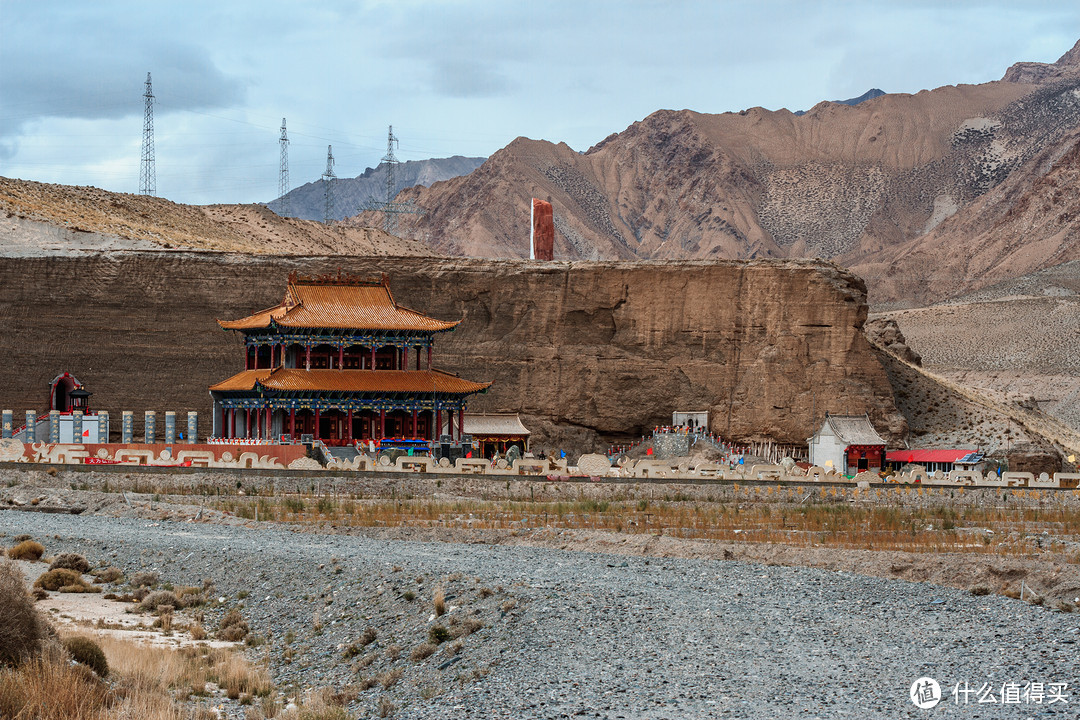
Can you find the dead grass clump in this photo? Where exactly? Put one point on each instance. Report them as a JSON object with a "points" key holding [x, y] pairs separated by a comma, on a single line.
{"points": [[390, 677], [108, 575], [84, 650], [197, 632], [27, 550], [386, 707], [393, 652], [64, 580], [190, 596], [367, 683], [486, 592], [233, 627], [466, 627], [237, 676], [53, 689], [437, 635], [509, 605], [422, 652], [157, 599], [22, 629], [144, 579], [980, 590], [439, 602], [70, 561]]}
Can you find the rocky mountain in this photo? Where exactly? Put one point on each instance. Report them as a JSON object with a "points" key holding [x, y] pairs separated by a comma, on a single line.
{"points": [[349, 195], [861, 184], [868, 95]]}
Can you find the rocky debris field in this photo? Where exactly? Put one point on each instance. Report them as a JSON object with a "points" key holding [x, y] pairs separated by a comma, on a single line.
{"points": [[536, 632]]}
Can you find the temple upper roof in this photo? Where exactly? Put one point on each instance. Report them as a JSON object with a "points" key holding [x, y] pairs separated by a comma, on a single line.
{"points": [[341, 302], [381, 381]]}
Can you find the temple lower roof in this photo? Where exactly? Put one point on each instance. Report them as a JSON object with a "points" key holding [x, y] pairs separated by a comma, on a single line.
{"points": [[358, 381]]}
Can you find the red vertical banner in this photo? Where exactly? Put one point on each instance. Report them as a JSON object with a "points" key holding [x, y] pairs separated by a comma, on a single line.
{"points": [[543, 230]]}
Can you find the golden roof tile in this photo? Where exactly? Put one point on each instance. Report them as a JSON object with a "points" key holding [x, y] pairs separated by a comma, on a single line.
{"points": [[341, 303], [378, 381]]}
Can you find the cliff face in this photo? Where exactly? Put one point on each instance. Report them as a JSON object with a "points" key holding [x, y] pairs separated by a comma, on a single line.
{"points": [[582, 350]]}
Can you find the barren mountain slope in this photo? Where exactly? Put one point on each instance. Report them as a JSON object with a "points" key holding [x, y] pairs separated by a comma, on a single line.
{"points": [[1018, 342], [32, 208], [1028, 222], [854, 183]]}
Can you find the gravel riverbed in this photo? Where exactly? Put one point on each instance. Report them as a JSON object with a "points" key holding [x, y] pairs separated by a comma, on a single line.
{"points": [[574, 634]]}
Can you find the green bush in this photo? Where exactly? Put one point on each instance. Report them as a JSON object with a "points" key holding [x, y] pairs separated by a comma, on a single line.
{"points": [[438, 635], [86, 651], [27, 550]]}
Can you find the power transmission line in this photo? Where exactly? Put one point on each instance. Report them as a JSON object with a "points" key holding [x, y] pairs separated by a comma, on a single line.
{"points": [[147, 171], [328, 178], [283, 172], [389, 208]]}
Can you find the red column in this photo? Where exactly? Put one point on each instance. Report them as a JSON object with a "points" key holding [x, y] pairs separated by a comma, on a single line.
{"points": [[315, 430], [405, 358], [461, 422], [382, 424], [428, 357], [307, 357], [292, 423], [372, 358], [341, 358], [414, 425], [269, 424], [281, 360], [255, 357], [438, 423], [348, 430]]}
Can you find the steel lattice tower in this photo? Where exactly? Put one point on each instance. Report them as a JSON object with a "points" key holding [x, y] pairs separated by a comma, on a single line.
{"points": [[389, 208], [147, 173], [328, 178], [283, 173]]}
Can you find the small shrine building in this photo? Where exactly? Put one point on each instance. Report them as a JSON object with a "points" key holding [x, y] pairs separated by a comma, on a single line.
{"points": [[341, 361]]}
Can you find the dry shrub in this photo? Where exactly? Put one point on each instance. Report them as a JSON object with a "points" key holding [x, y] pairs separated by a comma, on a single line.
{"points": [[70, 561], [197, 631], [980, 590], [233, 627], [437, 635], [466, 627], [190, 596], [144, 579], [22, 629], [422, 652], [53, 689], [509, 605], [439, 602], [386, 707], [156, 599], [27, 550], [393, 652], [108, 575], [486, 592], [84, 650], [64, 580], [390, 677]]}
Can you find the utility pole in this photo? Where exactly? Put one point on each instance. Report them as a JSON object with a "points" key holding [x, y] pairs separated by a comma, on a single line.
{"points": [[283, 172], [147, 173], [328, 178]]}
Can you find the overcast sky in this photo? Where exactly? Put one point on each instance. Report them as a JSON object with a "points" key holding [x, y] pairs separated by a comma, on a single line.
{"points": [[454, 78]]}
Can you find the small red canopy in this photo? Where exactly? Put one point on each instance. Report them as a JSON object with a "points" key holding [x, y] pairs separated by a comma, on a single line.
{"points": [[926, 456]]}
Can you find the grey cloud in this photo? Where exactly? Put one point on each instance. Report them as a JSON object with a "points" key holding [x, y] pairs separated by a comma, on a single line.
{"points": [[468, 79]]}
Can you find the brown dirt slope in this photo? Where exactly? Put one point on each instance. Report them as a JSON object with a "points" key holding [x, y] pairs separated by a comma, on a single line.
{"points": [[168, 225]]}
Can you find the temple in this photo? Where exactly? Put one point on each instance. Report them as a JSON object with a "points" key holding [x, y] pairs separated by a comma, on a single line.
{"points": [[339, 360]]}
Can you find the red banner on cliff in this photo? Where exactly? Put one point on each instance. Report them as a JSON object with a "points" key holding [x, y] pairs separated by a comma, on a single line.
{"points": [[543, 231]]}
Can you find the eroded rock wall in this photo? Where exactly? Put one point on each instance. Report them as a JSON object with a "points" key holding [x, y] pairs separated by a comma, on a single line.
{"points": [[582, 350]]}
